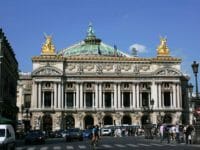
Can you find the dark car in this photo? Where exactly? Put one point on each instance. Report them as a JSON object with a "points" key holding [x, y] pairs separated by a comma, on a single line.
{"points": [[58, 133], [74, 133], [35, 137], [87, 133]]}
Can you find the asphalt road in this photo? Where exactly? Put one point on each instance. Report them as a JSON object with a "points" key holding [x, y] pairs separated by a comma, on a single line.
{"points": [[109, 143]]}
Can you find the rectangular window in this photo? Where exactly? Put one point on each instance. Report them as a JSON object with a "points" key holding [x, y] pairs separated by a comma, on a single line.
{"points": [[126, 97], [167, 100], [47, 99], [107, 99], [27, 100], [145, 98], [88, 99], [70, 99]]}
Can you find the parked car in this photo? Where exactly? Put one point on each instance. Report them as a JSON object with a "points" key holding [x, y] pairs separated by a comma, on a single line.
{"points": [[106, 131], [58, 133], [7, 137], [74, 133], [35, 137], [87, 133]]}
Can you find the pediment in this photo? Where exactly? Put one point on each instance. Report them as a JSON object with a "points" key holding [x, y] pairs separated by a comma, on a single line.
{"points": [[47, 71], [168, 72]]}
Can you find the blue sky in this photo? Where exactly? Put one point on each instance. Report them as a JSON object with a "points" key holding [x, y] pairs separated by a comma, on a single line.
{"points": [[119, 22]]}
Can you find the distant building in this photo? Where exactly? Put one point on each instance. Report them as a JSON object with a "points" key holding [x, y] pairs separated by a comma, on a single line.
{"points": [[93, 83], [8, 79]]}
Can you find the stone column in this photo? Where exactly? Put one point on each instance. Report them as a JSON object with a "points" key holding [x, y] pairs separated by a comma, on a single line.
{"points": [[178, 95], [43, 99], [159, 95], [65, 99], [51, 100], [174, 95], [34, 95], [77, 95], [115, 95], [96, 95], [154, 94], [133, 96], [59, 95], [119, 95], [74, 99], [55, 95], [100, 95], [137, 95], [81, 95], [39, 94], [62, 95]]}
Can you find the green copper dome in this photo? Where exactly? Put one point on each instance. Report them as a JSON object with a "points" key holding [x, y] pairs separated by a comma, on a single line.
{"points": [[91, 46]]}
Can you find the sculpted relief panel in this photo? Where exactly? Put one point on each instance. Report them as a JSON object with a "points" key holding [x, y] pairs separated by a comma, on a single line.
{"points": [[47, 71]]}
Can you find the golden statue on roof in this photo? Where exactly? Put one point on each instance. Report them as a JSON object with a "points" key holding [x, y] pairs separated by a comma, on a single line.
{"points": [[48, 48], [163, 49]]}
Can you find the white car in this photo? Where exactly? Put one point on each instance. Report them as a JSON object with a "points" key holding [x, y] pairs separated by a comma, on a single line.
{"points": [[7, 137], [106, 131]]}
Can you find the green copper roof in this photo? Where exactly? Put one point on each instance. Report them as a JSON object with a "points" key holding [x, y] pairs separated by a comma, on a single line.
{"points": [[92, 46]]}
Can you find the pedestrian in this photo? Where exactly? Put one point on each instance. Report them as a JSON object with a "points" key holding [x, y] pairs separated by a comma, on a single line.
{"points": [[189, 130], [162, 133], [177, 133]]}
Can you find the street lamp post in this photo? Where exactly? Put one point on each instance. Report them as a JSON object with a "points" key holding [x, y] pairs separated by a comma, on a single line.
{"points": [[195, 67], [148, 125], [196, 106]]}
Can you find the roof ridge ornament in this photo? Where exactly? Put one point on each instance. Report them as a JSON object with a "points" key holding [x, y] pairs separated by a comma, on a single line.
{"points": [[163, 49], [90, 31], [48, 47]]}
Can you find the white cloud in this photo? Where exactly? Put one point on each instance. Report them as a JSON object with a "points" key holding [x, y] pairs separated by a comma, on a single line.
{"points": [[140, 48]]}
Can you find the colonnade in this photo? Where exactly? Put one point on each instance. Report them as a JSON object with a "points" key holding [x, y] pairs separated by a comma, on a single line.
{"points": [[59, 96]]}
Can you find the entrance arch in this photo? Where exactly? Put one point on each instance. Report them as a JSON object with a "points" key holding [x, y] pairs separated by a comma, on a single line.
{"points": [[69, 122], [167, 119], [108, 120], [126, 120], [88, 121], [47, 123], [145, 119]]}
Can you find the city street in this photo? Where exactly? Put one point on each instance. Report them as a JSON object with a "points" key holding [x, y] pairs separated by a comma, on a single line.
{"points": [[111, 143]]}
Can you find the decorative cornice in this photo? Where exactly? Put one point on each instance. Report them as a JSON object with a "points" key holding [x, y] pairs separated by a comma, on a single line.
{"points": [[102, 58]]}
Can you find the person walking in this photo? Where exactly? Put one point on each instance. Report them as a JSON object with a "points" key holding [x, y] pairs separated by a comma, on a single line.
{"points": [[162, 133], [189, 130], [177, 133]]}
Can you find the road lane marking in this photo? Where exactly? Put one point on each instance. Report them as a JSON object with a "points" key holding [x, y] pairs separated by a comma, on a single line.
{"points": [[144, 145], [82, 146], [119, 145], [106, 146], [132, 145], [57, 147], [69, 147]]}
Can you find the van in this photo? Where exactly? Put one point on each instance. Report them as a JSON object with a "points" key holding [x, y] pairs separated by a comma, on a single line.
{"points": [[7, 137]]}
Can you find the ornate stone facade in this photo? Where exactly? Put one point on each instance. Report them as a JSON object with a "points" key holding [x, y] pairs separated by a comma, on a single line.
{"points": [[80, 87]]}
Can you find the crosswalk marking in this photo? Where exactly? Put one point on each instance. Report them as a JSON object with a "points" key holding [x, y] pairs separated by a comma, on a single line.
{"points": [[132, 145], [56, 148], [82, 146], [106, 146], [44, 148], [69, 147], [119, 145], [144, 145], [86, 146]]}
